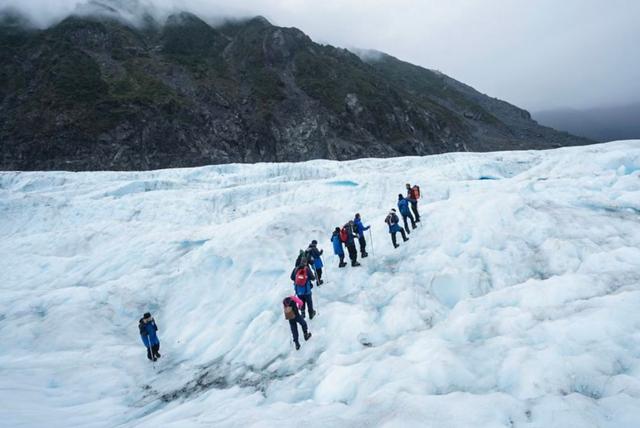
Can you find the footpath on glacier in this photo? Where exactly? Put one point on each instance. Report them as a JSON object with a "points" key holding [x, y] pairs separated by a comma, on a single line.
{"points": [[515, 303]]}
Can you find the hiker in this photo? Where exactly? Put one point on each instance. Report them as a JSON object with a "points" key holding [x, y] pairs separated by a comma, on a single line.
{"points": [[315, 260], [413, 194], [348, 235], [405, 212], [148, 328], [302, 275], [361, 228], [392, 221], [292, 305], [337, 247]]}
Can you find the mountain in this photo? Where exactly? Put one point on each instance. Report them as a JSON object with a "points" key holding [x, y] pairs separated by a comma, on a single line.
{"points": [[95, 93], [514, 304], [600, 124]]}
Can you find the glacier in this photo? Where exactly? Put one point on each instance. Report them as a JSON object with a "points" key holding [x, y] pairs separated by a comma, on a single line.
{"points": [[514, 304]]}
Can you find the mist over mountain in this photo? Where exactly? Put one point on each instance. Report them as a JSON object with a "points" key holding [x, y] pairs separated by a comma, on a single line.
{"points": [[121, 90], [600, 124]]}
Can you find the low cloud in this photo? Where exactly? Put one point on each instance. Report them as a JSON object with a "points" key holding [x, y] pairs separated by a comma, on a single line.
{"points": [[539, 55]]}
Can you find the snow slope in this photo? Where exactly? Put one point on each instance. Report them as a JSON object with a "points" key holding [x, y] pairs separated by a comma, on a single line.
{"points": [[516, 303]]}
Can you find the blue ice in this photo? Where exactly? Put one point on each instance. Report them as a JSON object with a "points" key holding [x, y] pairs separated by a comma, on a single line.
{"points": [[343, 183]]}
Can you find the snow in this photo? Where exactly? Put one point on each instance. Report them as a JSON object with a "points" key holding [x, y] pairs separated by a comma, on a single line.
{"points": [[515, 303]]}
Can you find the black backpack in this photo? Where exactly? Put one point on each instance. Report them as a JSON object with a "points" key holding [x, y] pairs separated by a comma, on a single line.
{"points": [[141, 327]]}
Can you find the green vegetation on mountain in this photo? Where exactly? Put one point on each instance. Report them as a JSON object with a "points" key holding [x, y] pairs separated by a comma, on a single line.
{"points": [[98, 93]]}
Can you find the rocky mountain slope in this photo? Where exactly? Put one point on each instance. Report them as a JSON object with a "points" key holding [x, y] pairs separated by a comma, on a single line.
{"points": [[98, 93]]}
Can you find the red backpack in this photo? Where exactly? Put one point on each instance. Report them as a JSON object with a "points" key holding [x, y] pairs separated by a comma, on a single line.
{"points": [[415, 192], [343, 234], [301, 277]]}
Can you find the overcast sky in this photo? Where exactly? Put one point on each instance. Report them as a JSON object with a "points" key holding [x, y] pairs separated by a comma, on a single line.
{"points": [[537, 54]]}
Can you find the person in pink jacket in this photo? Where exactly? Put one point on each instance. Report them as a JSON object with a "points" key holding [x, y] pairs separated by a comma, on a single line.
{"points": [[292, 306]]}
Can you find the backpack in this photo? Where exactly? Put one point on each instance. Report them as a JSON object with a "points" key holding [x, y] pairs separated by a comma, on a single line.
{"points": [[343, 234], [309, 256], [142, 328], [403, 206], [415, 192], [289, 313], [301, 276]]}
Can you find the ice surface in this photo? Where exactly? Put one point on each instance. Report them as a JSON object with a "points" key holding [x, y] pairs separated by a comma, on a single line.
{"points": [[515, 303]]}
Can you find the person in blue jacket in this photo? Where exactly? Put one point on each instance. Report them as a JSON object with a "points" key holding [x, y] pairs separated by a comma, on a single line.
{"points": [[338, 249], [405, 212], [357, 221], [148, 329], [302, 275], [392, 221], [313, 255]]}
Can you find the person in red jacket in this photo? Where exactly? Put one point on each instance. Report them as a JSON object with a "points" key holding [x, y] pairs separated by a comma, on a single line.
{"points": [[413, 194]]}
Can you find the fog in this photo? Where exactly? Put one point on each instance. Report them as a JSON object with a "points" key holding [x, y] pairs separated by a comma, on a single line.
{"points": [[541, 54]]}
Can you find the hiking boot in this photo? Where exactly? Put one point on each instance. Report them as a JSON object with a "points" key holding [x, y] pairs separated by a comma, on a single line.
{"points": [[406, 239], [312, 314], [307, 335], [365, 255], [297, 346], [341, 265], [354, 264], [395, 245], [320, 282]]}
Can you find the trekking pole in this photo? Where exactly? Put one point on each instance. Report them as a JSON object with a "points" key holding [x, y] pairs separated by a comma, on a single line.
{"points": [[371, 239], [315, 273]]}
